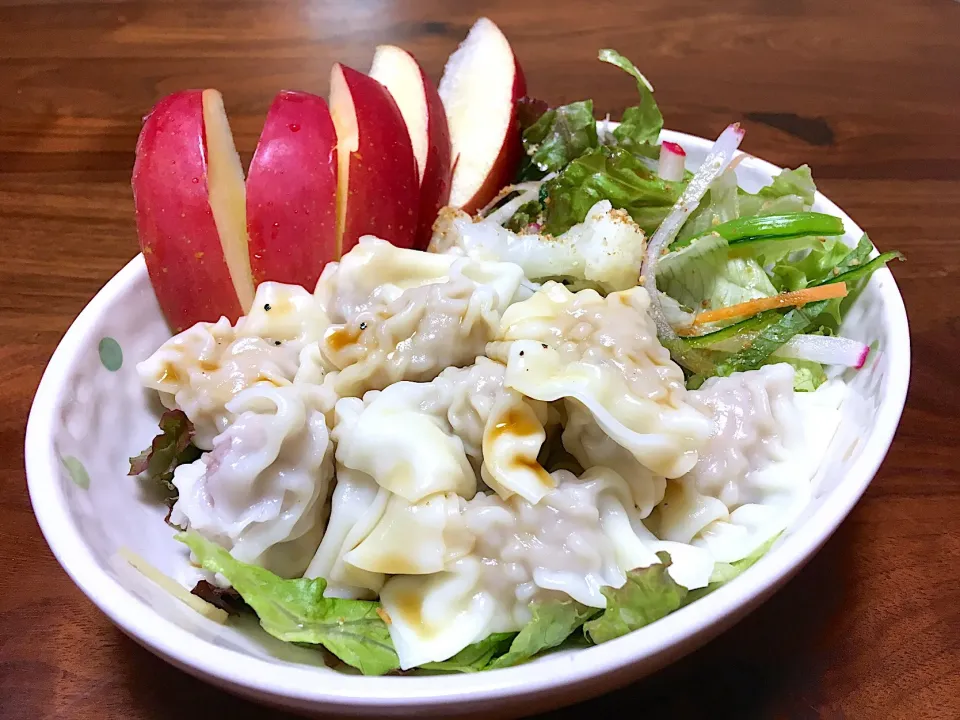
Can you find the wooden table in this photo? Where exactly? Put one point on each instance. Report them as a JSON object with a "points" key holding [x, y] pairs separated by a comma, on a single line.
{"points": [[866, 92]]}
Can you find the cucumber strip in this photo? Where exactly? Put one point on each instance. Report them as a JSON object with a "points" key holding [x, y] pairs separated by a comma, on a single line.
{"points": [[771, 338], [750, 325]]}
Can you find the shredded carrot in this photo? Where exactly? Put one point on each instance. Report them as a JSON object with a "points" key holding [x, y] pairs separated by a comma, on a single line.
{"points": [[788, 299]]}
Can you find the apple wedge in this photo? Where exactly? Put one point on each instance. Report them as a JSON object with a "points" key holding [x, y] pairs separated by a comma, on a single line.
{"points": [[292, 192], [377, 184], [188, 194], [480, 87], [426, 121]]}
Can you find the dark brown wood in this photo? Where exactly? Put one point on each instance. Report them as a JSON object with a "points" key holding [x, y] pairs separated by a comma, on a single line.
{"points": [[866, 92]]}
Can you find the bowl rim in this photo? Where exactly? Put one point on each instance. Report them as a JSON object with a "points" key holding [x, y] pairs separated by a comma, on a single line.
{"points": [[303, 686]]}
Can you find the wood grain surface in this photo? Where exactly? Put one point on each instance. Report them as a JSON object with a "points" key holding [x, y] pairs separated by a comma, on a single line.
{"points": [[865, 91]]}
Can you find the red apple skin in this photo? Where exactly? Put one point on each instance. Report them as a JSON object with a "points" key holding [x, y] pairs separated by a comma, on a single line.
{"points": [[438, 173], [292, 192], [178, 235], [504, 168], [382, 192]]}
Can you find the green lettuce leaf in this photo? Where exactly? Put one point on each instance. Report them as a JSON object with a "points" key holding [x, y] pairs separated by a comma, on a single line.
{"points": [[824, 263], [756, 205], [797, 182], [476, 657], [790, 191], [551, 625], [639, 129], [725, 572], [607, 174], [807, 375], [738, 280], [795, 274], [172, 447], [559, 136], [296, 610], [702, 274], [648, 595], [720, 204]]}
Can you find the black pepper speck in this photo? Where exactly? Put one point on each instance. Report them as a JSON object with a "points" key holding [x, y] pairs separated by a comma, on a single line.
{"points": [[267, 307]]}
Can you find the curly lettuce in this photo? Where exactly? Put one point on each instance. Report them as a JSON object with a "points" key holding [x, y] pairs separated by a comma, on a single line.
{"points": [[639, 129], [559, 136], [297, 611], [608, 173], [703, 275], [172, 447], [651, 593]]}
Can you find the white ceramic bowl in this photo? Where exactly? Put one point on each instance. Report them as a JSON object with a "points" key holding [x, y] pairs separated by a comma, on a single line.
{"points": [[88, 419]]}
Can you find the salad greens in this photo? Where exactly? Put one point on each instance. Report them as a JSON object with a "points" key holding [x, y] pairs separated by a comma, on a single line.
{"points": [[607, 173], [526, 215], [791, 183], [560, 135], [736, 246], [852, 270], [725, 572], [476, 657], [823, 257], [648, 595], [564, 140], [357, 631], [639, 129], [173, 446], [297, 611], [651, 594], [551, 624], [703, 274]]}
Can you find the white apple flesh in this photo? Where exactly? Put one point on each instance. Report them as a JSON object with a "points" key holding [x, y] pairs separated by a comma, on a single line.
{"points": [[481, 85]]}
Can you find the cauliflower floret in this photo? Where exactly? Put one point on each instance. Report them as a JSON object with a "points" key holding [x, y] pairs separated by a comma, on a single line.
{"points": [[604, 251]]}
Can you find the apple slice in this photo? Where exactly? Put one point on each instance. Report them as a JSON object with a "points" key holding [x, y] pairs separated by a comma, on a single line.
{"points": [[189, 199], [481, 85], [422, 110], [292, 192], [377, 184]]}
